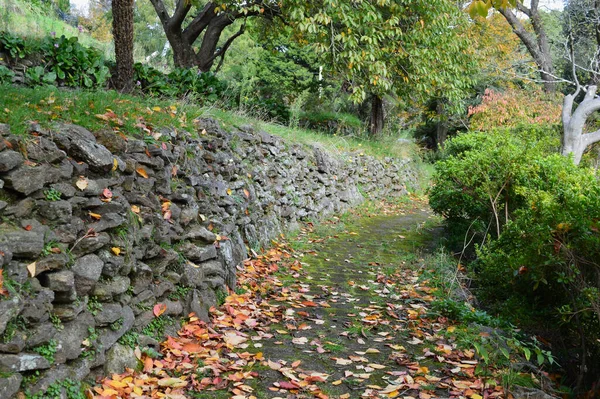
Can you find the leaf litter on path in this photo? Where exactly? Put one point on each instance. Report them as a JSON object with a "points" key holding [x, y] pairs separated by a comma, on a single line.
{"points": [[301, 332]]}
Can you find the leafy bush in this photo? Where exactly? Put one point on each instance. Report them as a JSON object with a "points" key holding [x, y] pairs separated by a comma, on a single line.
{"points": [[74, 64], [339, 123], [6, 75], [13, 45], [204, 86], [543, 213]]}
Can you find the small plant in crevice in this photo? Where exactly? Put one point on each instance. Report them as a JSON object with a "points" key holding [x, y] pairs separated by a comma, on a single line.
{"points": [[56, 322], [47, 350], [91, 343], [117, 324], [62, 389], [15, 324], [52, 194], [130, 339], [156, 328], [180, 293], [221, 296], [94, 306]]}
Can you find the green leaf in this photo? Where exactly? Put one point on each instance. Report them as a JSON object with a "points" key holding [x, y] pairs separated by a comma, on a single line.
{"points": [[527, 353]]}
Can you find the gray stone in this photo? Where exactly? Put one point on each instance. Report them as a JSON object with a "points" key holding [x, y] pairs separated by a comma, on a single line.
{"points": [[108, 221], [9, 308], [16, 343], [22, 362], [71, 337], [56, 211], [174, 308], [51, 262], [192, 275], [75, 371], [37, 308], [118, 359], [40, 334], [198, 254], [22, 243], [28, 179], [9, 386], [10, 160], [69, 311], [530, 393], [44, 150], [87, 271], [197, 305], [82, 145], [61, 281], [142, 277], [106, 290], [165, 258], [91, 244], [108, 336], [109, 313]]}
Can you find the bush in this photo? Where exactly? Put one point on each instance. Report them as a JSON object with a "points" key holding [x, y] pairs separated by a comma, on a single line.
{"points": [[331, 122], [204, 86], [543, 213]]}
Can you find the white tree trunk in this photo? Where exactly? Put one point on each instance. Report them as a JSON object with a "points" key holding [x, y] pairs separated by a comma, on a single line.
{"points": [[574, 140]]}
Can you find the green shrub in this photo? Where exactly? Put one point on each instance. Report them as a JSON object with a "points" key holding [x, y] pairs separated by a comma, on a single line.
{"points": [[538, 216], [6, 75], [13, 45], [332, 122]]}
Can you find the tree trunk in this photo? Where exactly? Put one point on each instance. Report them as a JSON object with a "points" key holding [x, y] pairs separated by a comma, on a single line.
{"points": [[574, 140], [123, 36], [536, 44], [377, 117], [441, 133]]}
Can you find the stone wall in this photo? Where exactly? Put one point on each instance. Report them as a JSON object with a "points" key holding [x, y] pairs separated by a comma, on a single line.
{"points": [[97, 229]]}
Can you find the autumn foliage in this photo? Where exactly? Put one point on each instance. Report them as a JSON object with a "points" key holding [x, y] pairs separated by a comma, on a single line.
{"points": [[515, 107]]}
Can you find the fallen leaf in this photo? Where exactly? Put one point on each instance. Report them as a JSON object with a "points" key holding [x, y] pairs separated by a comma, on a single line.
{"points": [[96, 216], [116, 250], [142, 172], [31, 269], [159, 309], [82, 183]]}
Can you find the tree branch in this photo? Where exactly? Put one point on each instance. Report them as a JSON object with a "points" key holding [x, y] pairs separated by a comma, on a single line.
{"points": [[199, 23], [161, 11], [182, 9], [222, 50], [591, 138]]}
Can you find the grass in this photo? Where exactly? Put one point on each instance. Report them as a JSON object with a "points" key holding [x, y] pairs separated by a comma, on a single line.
{"points": [[28, 20], [19, 106]]}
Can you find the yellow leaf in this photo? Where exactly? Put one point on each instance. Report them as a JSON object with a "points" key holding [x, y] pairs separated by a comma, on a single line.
{"points": [[115, 164], [451, 329], [476, 396], [338, 382], [95, 215], [157, 109], [229, 191], [135, 209], [31, 269], [116, 250], [142, 172]]}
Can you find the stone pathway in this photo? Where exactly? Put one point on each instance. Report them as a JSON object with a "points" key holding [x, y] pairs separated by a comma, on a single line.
{"points": [[344, 315]]}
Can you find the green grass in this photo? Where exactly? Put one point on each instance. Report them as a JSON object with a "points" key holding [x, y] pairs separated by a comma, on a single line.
{"points": [[25, 19], [19, 106]]}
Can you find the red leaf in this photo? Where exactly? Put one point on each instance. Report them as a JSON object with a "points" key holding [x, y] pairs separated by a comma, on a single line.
{"points": [[107, 193], [287, 385], [159, 309], [28, 227]]}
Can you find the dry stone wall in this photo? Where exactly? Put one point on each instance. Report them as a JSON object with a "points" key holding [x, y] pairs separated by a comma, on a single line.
{"points": [[97, 229]]}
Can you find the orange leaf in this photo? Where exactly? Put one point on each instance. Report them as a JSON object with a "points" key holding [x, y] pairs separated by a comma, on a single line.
{"points": [[95, 215], [159, 309], [142, 172]]}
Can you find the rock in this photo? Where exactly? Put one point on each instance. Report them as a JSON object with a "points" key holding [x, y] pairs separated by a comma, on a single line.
{"points": [[197, 305], [91, 244], [51, 262], [198, 254], [10, 160], [108, 221], [71, 337], [22, 243], [61, 281], [44, 150], [109, 336], [118, 359], [40, 334], [107, 289], [28, 179], [142, 277], [69, 311], [200, 233], [56, 211], [22, 362], [214, 274], [9, 308], [9, 385], [165, 258], [74, 371], [87, 271], [15, 344], [109, 313], [530, 393], [37, 308], [192, 275], [21, 209], [82, 145]]}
